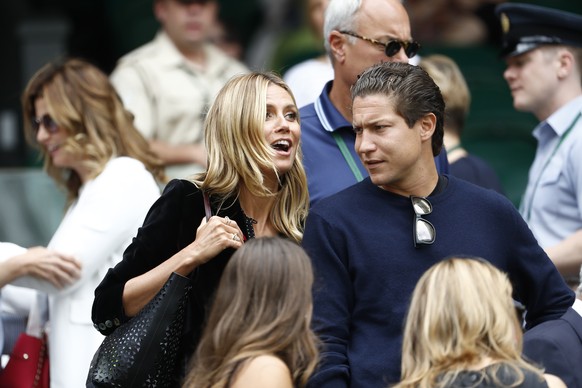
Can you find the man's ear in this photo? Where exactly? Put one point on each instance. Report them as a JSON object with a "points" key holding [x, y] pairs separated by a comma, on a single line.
{"points": [[427, 126], [160, 11], [213, 7], [337, 44], [566, 63]]}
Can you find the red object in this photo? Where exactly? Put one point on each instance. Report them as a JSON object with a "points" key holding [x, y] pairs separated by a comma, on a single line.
{"points": [[28, 366]]}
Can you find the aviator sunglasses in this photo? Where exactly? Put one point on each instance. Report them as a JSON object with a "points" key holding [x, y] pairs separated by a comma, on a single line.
{"points": [[47, 122], [392, 47], [423, 231]]}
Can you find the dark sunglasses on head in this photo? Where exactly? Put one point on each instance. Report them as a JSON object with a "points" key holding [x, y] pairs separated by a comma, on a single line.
{"points": [[392, 47], [47, 122], [423, 231]]}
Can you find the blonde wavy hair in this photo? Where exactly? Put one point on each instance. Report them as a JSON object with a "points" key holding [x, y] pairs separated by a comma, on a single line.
{"points": [[82, 101], [262, 306], [450, 80], [461, 311], [238, 152]]}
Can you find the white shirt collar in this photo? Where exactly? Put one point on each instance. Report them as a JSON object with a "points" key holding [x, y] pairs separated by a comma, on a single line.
{"points": [[578, 306], [561, 119]]}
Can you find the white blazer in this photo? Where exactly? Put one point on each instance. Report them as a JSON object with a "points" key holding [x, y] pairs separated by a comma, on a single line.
{"points": [[96, 229]]}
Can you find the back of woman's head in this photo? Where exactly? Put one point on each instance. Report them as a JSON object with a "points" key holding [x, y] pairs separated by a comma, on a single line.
{"points": [[82, 101], [450, 80], [461, 311], [262, 306], [268, 278]]}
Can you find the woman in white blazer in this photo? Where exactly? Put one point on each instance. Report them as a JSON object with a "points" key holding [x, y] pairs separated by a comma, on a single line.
{"points": [[91, 148]]}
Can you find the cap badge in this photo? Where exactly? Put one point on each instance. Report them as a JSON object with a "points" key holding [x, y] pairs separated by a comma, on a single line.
{"points": [[504, 23]]}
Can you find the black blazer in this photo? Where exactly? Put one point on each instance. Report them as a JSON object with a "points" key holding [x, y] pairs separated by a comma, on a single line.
{"points": [[557, 346], [170, 226]]}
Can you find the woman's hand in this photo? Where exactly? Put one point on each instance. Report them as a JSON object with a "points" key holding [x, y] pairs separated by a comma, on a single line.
{"points": [[57, 268], [214, 236]]}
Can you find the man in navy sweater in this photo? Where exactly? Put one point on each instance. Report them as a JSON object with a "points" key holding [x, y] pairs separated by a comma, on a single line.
{"points": [[371, 242]]}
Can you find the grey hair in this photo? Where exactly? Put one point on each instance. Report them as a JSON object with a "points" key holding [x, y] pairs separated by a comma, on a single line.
{"points": [[340, 15], [579, 290]]}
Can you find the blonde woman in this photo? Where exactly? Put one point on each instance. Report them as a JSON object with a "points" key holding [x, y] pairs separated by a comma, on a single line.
{"points": [[462, 331], [256, 185], [91, 149], [258, 332]]}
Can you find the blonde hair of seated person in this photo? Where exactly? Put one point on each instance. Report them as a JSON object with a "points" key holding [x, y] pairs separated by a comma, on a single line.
{"points": [[448, 76], [462, 317], [259, 321]]}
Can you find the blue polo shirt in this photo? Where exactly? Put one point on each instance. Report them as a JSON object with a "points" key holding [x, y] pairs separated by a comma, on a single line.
{"points": [[552, 203], [327, 170]]}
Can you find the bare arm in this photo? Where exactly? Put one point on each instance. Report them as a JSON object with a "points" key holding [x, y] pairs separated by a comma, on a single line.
{"points": [[57, 268], [179, 154], [567, 255], [264, 372], [554, 381], [212, 237]]}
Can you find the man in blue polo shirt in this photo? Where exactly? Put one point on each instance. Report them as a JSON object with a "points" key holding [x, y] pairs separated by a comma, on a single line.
{"points": [[358, 34]]}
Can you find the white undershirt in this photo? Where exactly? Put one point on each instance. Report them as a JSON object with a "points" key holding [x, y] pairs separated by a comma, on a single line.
{"points": [[577, 306]]}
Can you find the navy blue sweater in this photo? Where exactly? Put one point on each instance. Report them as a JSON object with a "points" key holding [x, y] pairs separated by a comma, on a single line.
{"points": [[361, 244]]}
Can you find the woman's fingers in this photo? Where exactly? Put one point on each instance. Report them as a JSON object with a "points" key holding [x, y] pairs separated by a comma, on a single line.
{"points": [[217, 234], [63, 269], [57, 268]]}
